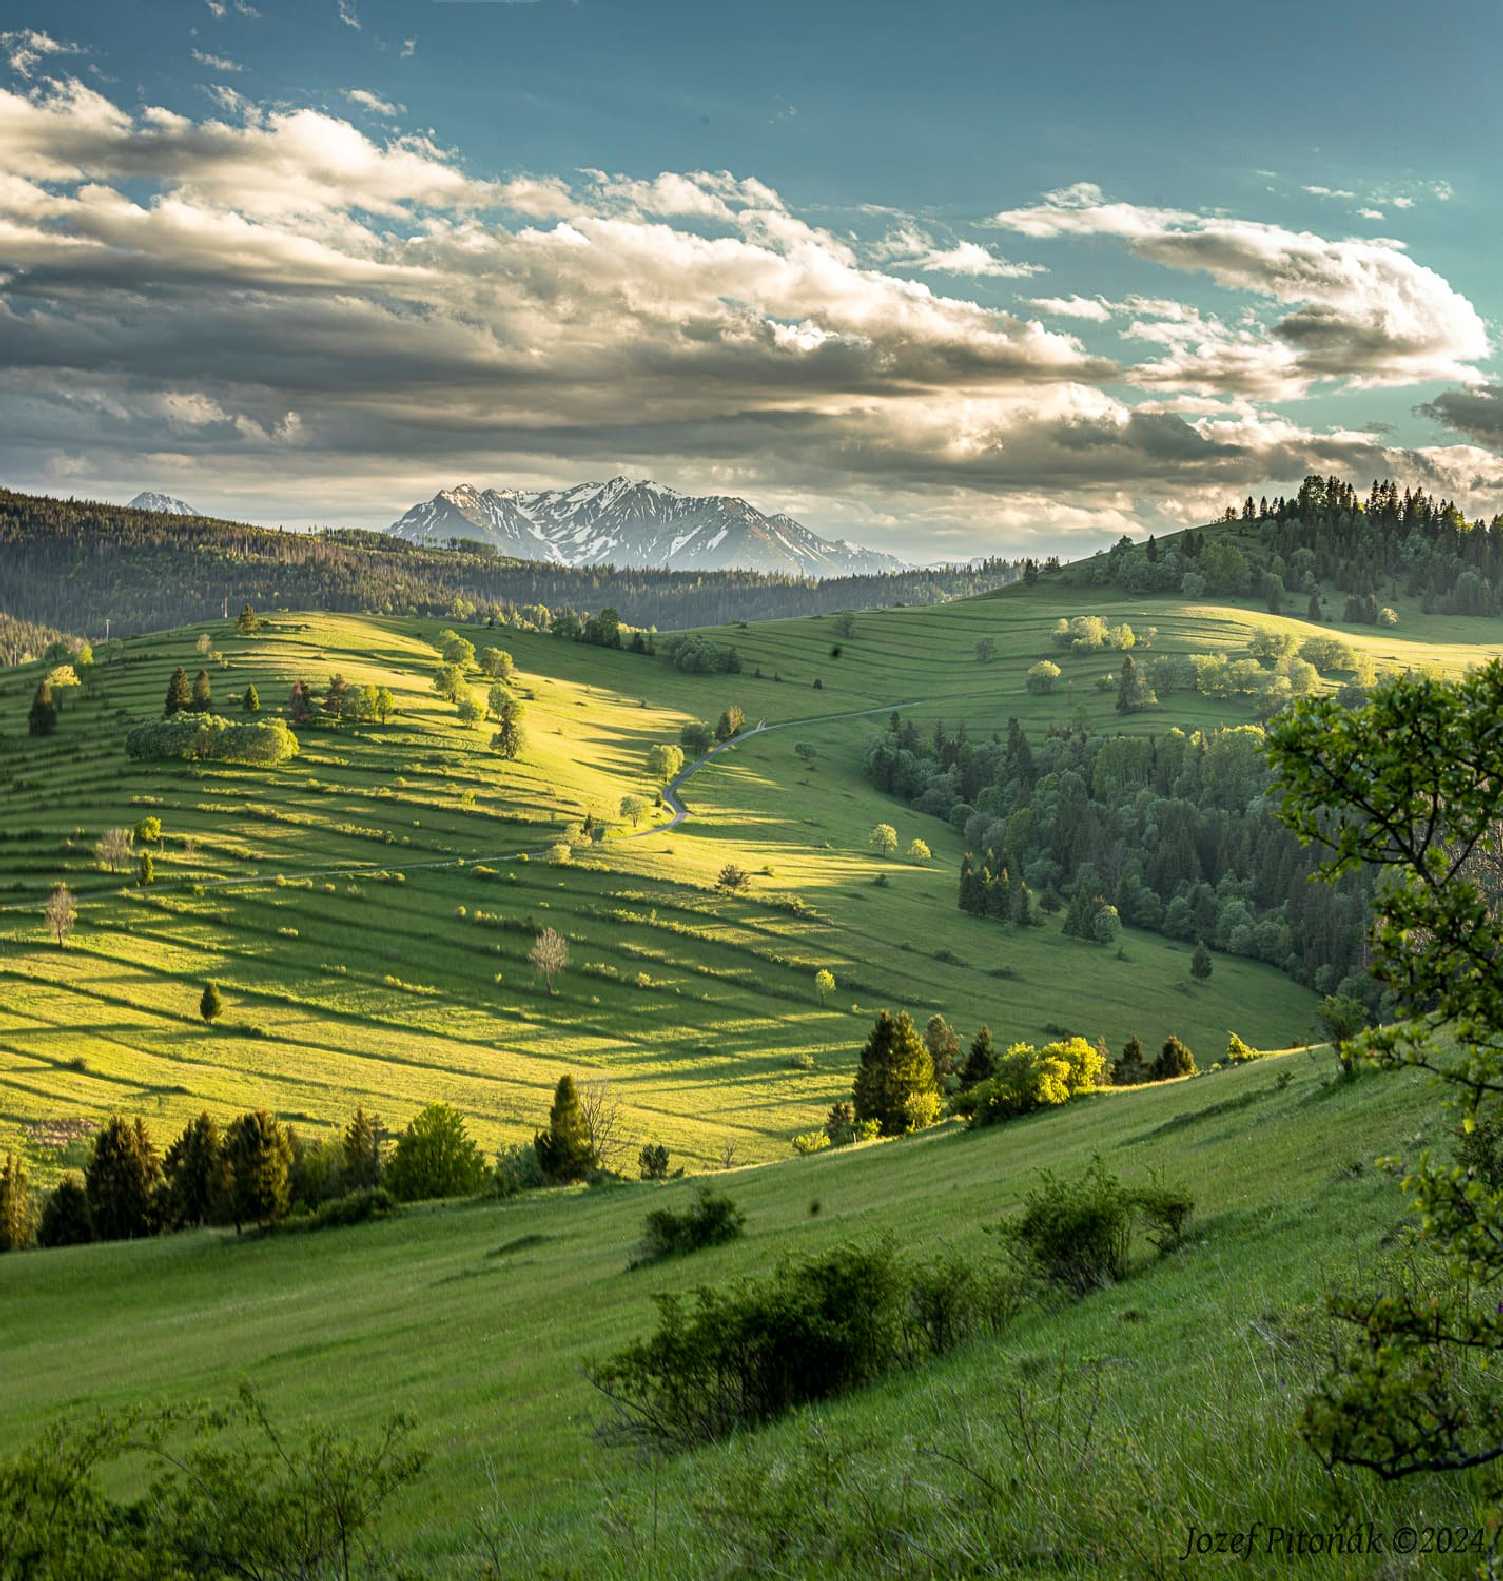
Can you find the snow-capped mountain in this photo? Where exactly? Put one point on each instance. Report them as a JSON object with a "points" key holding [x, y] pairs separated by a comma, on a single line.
{"points": [[632, 522], [151, 501]]}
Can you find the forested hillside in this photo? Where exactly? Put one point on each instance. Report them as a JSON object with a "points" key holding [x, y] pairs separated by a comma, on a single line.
{"points": [[80, 563]]}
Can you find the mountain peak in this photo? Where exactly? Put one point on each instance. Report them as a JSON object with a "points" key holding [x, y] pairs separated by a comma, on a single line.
{"points": [[165, 504], [634, 522]]}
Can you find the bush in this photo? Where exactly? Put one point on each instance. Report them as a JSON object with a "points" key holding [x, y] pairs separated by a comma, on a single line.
{"points": [[266, 742], [711, 1219], [1165, 1211], [1175, 1059], [1027, 1078], [1238, 1052], [652, 1161], [1074, 1234], [518, 1169], [811, 1142], [354, 1207], [747, 1353], [65, 1216]]}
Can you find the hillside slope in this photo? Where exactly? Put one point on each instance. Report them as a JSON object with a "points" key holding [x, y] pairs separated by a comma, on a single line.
{"points": [[1166, 1402], [365, 989]]}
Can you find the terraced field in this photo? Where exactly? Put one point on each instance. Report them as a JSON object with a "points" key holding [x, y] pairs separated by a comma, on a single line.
{"points": [[368, 910]]}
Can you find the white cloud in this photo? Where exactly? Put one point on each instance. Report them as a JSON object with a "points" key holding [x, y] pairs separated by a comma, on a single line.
{"points": [[1370, 214], [374, 102], [1361, 311], [28, 47], [910, 247], [217, 7], [409, 48], [216, 62], [348, 14], [1094, 308], [1329, 192]]}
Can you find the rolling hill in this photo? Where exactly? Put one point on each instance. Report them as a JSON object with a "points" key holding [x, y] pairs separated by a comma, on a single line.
{"points": [[367, 909]]}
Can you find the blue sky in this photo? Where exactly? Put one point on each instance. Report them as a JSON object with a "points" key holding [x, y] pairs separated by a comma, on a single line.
{"points": [[951, 278]]}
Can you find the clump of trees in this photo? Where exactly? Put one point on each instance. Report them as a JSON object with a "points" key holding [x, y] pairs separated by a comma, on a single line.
{"points": [[895, 1084], [1026, 1078], [265, 742]]}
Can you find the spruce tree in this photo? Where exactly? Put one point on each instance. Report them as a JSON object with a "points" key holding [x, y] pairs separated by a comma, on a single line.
{"points": [[196, 1173], [1175, 1059], [252, 700], [1131, 1068], [362, 1150], [895, 1083], [121, 1181], [564, 1150], [1201, 964], [980, 1060], [943, 1045], [42, 720], [211, 1004], [202, 700], [16, 1224], [257, 1154], [179, 694]]}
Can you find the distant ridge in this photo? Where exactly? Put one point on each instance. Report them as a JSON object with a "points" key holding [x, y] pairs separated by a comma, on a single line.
{"points": [[635, 523]]}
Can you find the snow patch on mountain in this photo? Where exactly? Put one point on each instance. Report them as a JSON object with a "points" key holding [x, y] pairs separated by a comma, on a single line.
{"points": [[149, 500], [630, 522]]}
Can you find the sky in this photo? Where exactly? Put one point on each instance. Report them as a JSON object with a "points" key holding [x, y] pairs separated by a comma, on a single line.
{"points": [[965, 277]]}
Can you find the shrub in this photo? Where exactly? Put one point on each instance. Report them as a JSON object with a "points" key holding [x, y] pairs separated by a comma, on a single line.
{"points": [[211, 1004], [518, 1169], [652, 1161], [1165, 1211], [811, 1142], [354, 1207], [1238, 1052], [1175, 1059], [1074, 1234], [745, 1354], [1025, 1079], [711, 1219], [1131, 1069]]}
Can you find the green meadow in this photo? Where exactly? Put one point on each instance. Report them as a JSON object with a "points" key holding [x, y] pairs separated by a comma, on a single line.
{"points": [[367, 915]]}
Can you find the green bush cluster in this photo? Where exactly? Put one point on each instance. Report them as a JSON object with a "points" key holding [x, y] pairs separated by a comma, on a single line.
{"points": [[1026, 1078], [742, 1355], [711, 1219], [266, 742]]}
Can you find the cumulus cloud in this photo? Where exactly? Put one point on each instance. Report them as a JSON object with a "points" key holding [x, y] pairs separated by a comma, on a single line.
{"points": [[348, 14], [290, 306], [1360, 311]]}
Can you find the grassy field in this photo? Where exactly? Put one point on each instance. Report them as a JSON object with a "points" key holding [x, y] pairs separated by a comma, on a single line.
{"points": [[478, 1318], [326, 896]]}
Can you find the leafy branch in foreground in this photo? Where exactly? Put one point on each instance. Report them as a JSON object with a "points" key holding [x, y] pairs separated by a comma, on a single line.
{"points": [[1412, 785]]}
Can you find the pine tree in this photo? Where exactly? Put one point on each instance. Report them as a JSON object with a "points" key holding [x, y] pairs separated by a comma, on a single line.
{"points": [[248, 623], [980, 1060], [564, 1150], [1175, 1059], [252, 701], [121, 1181], [943, 1045], [895, 1083], [362, 1150], [211, 1005], [16, 1224], [196, 1173], [42, 720], [179, 695], [202, 701], [146, 870], [1201, 965], [257, 1154]]}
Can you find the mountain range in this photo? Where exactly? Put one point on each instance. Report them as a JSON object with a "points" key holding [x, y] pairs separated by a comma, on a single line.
{"points": [[148, 500], [637, 523]]}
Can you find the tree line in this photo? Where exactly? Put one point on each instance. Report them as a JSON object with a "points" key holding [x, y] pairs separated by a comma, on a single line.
{"points": [[76, 563]]}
